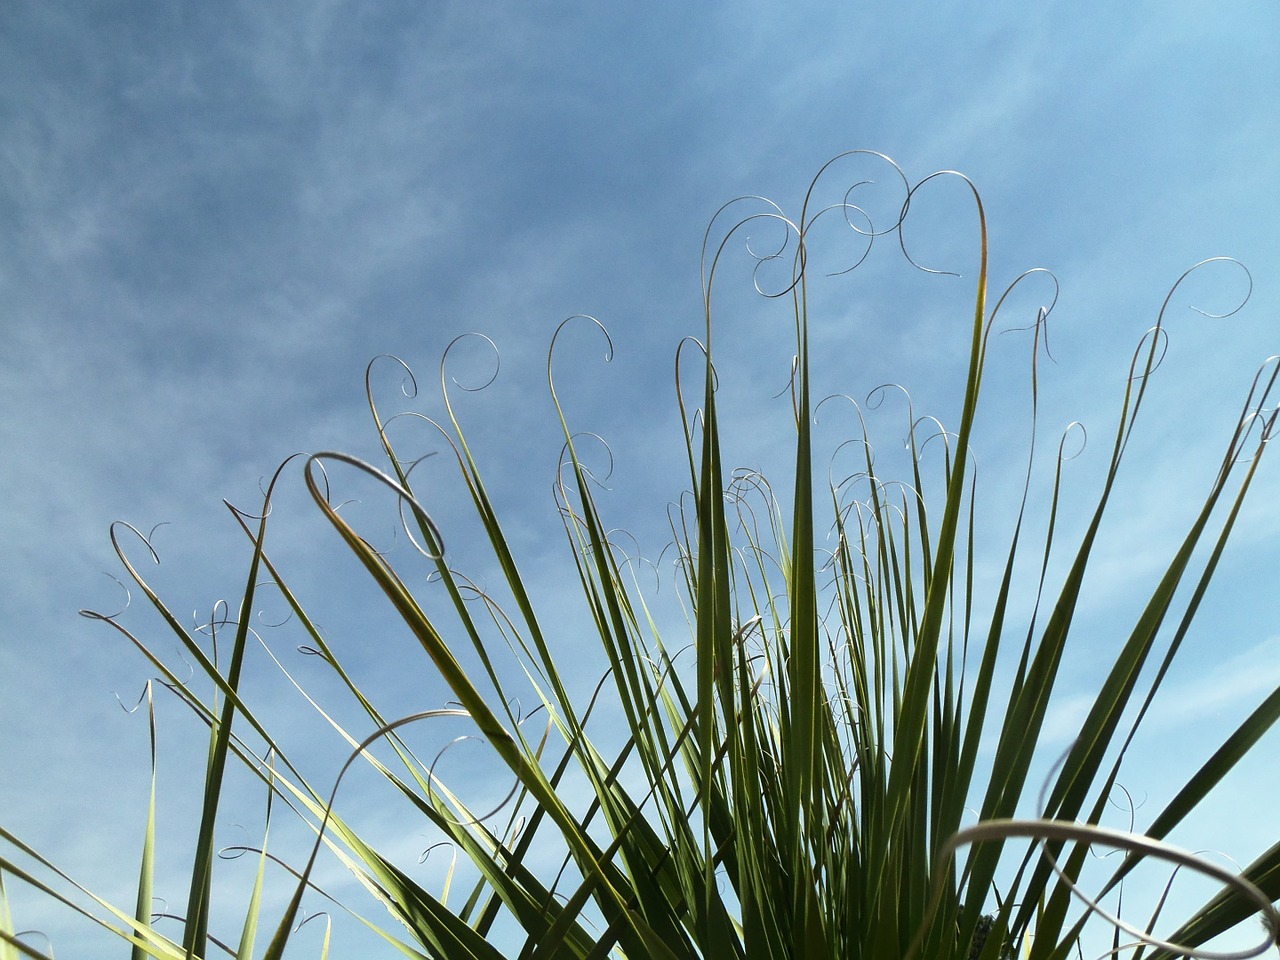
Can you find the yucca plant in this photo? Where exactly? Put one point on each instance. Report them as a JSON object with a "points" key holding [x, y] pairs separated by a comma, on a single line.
{"points": [[803, 782]]}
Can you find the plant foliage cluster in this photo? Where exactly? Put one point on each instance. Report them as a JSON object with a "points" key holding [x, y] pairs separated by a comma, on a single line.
{"points": [[798, 778]]}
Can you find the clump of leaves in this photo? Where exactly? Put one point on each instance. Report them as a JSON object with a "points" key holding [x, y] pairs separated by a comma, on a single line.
{"points": [[799, 791]]}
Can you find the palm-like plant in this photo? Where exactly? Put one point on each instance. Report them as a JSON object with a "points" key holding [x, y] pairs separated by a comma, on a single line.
{"points": [[802, 790]]}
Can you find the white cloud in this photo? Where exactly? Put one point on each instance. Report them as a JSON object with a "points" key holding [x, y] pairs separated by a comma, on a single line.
{"points": [[215, 219]]}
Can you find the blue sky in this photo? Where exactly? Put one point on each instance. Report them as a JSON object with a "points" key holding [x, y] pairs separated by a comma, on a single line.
{"points": [[213, 217]]}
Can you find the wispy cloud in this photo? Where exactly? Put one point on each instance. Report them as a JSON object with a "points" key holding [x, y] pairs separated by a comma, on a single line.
{"points": [[213, 219]]}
